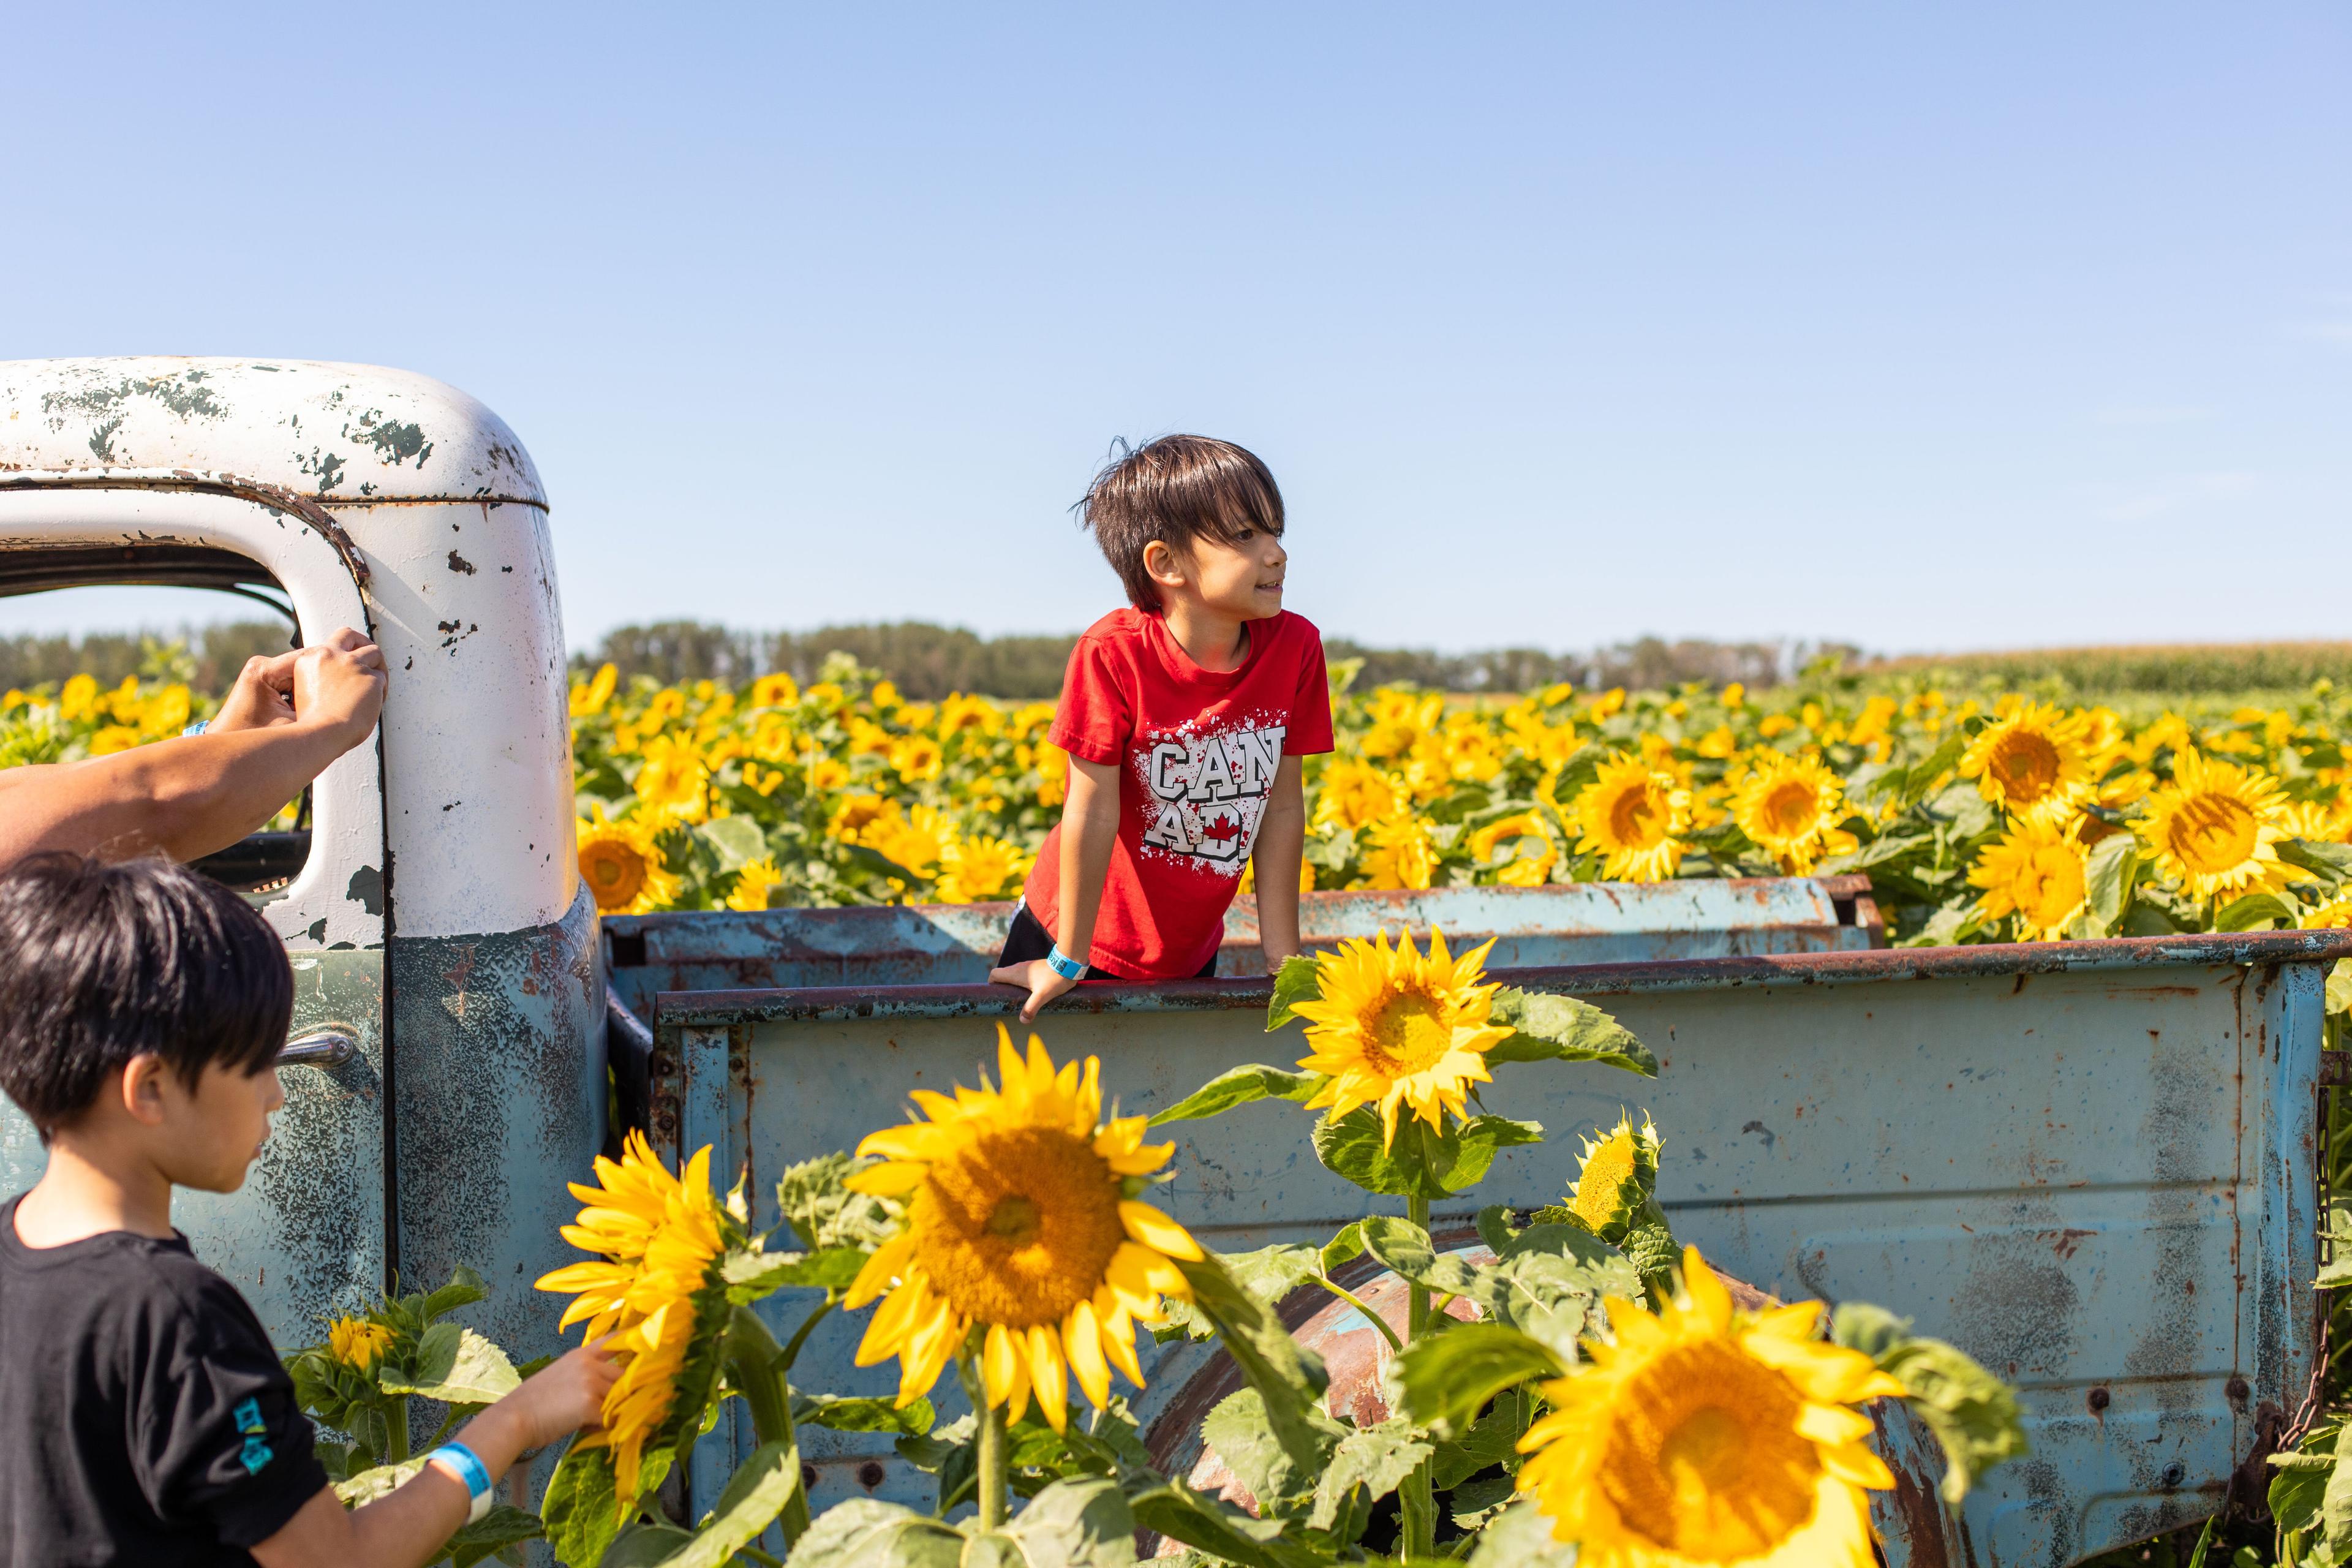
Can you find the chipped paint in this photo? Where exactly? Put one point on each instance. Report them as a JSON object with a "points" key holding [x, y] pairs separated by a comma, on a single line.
{"points": [[342, 434], [499, 1095]]}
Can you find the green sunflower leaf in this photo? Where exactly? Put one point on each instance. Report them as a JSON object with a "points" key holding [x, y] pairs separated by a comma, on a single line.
{"points": [[582, 1507], [646, 1544], [500, 1528], [752, 1276], [1546, 1027], [1076, 1523], [1448, 1378], [1521, 1537], [1288, 1377], [1493, 1439], [2254, 910], [2332, 861], [457, 1366], [1211, 1525], [824, 1213], [465, 1289], [1238, 1432], [1294, 983], [380, 1481], [865, 1532], [1974, 1415], [1420, 1161], [2115, 864], [1240, 1087], [756, 1493], [844, 1414], [1375, 1459]]}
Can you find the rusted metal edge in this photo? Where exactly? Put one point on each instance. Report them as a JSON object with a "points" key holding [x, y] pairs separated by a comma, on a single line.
{"points": [[2202, 950], [309, 508]]}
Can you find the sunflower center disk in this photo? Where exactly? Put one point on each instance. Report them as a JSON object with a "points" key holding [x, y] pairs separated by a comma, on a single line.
{"points": [[613, 874], [2026, 768], [2214, 833], [1706, 1460], [1634, 818], [1410, 1032], [1018, 1228], [1790, 809]]}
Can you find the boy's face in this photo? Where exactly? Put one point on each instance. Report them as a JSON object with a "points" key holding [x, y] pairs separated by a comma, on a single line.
{"points": [[209, 1137], [1242, 578]]}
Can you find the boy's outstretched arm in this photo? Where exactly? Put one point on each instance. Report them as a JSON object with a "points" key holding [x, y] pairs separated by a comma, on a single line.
{"points": [[286, 720], [407, 1529], [1089, 831], [1281, 848]]}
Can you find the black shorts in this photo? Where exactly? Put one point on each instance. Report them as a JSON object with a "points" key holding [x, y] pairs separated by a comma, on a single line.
{"points": [[1029, 940]]}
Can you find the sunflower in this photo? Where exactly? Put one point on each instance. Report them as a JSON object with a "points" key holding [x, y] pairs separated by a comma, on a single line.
{"points": [[1394, 1028], [1709, 1436], [1021, 1219], [2329, 916], [752, 882], [357, 1343], [979, 867], [2036, 872], [1354, 795], [662, 1239], [674, 781], [2030, 763], [1635, 815], [1532, 853], [623, 865], [2216, 825], [1789, 807], [1615, 1176], [1404, 854]]}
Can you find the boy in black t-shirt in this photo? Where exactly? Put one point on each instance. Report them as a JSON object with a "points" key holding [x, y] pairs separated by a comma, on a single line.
{"points": [[144, 1418]]}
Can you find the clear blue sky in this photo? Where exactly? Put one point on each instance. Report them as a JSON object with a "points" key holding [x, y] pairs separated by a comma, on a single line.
{"points": [[1971, 325]]}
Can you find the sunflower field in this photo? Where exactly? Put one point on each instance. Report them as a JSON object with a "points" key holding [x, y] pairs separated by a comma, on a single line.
{"points": [[2003, 815], [1985, 819]]}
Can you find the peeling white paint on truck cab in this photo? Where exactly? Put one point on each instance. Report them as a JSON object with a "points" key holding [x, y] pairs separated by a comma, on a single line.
{"points": [[432, 513]]}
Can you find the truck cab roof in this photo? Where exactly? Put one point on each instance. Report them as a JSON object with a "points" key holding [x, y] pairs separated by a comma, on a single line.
{"points": [[339, 435]]}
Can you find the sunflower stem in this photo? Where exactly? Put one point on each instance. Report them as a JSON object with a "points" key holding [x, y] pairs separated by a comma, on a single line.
{"points": [[1358, 1302], [995, 1455], [1417, 1497], [396, 1432], [755, 1367]]}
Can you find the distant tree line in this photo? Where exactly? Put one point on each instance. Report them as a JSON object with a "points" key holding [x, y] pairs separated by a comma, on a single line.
{"points": [[207, 657], [928, 661]]}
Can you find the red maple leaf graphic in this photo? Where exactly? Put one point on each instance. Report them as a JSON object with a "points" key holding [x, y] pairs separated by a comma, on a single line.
{"points": [[1224, 827]]}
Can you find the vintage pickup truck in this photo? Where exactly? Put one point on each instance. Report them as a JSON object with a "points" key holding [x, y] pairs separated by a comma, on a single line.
{"points": [[2093, 1165]]}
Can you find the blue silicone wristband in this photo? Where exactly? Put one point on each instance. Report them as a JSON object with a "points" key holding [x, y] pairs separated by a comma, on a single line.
{"points": [[1063, 964], [468, 1467]]}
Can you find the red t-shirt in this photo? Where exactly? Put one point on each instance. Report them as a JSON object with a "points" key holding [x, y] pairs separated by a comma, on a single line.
{"points": [[1197, 752]]}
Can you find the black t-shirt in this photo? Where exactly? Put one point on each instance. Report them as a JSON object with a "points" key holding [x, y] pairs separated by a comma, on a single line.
{"points": [[144, 1418]]}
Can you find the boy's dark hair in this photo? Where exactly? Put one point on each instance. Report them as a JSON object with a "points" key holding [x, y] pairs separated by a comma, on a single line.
{"points": [[99, 963], [1176, 490]]}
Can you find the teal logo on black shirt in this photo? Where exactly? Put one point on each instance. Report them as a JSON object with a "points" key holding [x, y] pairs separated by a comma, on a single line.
{"points": [[256, 1447]]}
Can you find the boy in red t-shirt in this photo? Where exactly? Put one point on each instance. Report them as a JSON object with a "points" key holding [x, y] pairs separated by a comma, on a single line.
{"points": [[1185, 718]]}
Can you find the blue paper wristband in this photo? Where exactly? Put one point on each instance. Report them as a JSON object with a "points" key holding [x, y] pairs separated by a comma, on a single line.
{"points": [[1063, 964], [465, 1466]]}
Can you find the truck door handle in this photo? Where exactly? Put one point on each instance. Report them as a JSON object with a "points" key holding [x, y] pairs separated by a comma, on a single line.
{"points": [[320, 1048]]}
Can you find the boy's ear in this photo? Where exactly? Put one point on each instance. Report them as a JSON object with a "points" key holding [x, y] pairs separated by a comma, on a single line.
{"points": [[1164, 564], [142, 1087]]}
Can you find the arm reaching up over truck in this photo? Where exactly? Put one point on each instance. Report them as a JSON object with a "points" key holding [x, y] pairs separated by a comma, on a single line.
{"points": [[283, 722]]}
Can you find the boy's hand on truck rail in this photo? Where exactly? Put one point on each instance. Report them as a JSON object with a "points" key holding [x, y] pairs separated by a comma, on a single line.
{"points": [[1038, 978]]}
